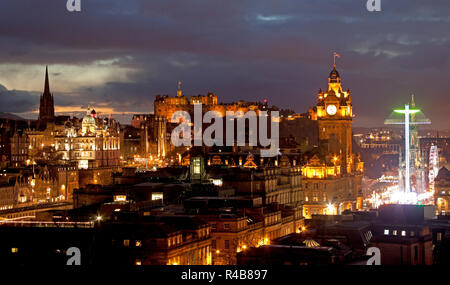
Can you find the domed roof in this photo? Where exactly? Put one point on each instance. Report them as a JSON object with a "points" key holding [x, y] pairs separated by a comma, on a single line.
{"points": [[311, 243], [88, 119]]}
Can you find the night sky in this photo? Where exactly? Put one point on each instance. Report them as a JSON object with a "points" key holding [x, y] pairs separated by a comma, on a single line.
{"points": [[118, 55]]}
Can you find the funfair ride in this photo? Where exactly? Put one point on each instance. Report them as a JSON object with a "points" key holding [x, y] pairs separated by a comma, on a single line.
{"points": [[411, 187]]}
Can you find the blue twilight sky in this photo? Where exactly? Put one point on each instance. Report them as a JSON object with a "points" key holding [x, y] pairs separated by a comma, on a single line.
{"points": [[118, 55]]}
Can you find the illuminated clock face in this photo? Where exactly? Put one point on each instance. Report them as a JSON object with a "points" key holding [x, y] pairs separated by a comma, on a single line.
{"points": [[331, 110]]}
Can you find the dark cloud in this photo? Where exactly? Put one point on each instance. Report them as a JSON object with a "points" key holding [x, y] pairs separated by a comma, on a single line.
{"points": [[16, 101], [279, 50]]}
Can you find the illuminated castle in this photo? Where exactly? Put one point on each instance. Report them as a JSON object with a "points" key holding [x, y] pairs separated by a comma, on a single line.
{"points": [[165, 105]]}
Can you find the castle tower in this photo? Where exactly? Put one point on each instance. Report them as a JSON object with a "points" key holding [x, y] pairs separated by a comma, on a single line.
{"points": [[46, 107], [334, 115]]}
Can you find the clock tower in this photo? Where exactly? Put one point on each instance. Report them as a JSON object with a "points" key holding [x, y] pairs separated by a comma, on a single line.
{"points": [[334, 116]]}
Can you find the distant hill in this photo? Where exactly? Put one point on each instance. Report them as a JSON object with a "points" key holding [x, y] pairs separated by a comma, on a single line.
{"points": [[10, 116]]}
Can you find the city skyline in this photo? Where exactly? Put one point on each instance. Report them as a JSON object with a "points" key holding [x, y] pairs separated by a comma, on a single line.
{"points": [[107, 53], [266, 133]]}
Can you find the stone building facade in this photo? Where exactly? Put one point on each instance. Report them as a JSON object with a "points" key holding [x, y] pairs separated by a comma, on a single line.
{"points": [[332, 175]]}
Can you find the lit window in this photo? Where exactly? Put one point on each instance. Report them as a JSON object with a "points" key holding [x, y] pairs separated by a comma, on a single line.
{"points": [[138, 243], [14, 250], [157, 196], [412, 234], [403, 233], [386, 232], [126, 242], [138, 262], [120, 198], [196, 163], [394, 232]]}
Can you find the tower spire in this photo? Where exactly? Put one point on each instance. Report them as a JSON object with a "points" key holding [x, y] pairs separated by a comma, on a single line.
{"points": [[46, 107], [47, 84]]}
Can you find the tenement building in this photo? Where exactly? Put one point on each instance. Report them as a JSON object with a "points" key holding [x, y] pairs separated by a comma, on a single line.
{"points": [[241, 222], [403, 237], [154, 240]]}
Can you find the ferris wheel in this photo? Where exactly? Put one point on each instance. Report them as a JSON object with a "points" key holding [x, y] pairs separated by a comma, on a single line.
{"points": [[433, 165]]}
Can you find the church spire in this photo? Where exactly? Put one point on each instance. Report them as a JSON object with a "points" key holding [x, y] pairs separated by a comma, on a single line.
{"points": [[46, 107], [47, 85]]}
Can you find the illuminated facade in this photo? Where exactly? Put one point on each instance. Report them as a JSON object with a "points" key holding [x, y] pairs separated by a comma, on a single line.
{"points": [[166, 106], [15, 193], [154, 138], [93, 142], [433, 166], [96, 143], [442, 191], [54, 183], [320, 170], [334, 116], [332, 180], [233, 232], [37, 185], [61, 147]]}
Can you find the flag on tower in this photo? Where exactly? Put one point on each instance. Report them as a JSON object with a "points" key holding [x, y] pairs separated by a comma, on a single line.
{"points": [[335, 54]]}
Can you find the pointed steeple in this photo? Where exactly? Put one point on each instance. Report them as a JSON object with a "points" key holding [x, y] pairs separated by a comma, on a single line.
{"points": [[46, 107], [413, 104], [47, 85]]}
